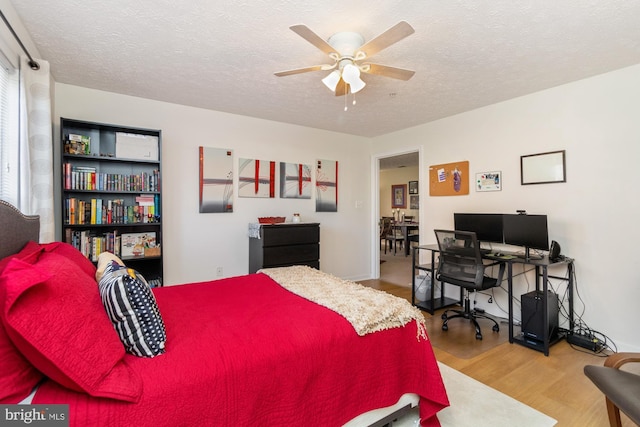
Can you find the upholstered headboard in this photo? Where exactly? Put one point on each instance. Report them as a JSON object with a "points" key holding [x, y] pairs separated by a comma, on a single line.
{"points": [[16, 229]]}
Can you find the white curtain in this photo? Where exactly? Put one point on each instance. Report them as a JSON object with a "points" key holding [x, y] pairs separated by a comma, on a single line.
{"points": [[36, 147]]}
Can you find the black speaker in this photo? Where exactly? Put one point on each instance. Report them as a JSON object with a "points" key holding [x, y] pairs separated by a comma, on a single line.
{"points": [[532, 318], [554, 251]]}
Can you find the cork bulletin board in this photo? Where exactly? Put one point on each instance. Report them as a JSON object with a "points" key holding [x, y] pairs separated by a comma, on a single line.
{"points": [[449, 179]]}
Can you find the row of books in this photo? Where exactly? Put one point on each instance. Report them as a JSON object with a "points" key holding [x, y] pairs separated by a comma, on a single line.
{"points": [[87, 178], [91, 245], [112, 211]]}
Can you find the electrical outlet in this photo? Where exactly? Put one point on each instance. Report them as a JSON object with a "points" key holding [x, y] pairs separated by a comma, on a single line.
{"points": [[219, 271]]}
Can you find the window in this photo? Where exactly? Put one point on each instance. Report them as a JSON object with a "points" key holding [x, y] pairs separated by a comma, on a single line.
{"points": [[9, 132]]}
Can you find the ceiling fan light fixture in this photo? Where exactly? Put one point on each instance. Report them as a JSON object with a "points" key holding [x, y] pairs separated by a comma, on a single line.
{"points": [[351, 76], [331, 81]]}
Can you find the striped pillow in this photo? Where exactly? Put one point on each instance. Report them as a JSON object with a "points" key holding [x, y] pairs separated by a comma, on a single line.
{"points": [[133, 311]]}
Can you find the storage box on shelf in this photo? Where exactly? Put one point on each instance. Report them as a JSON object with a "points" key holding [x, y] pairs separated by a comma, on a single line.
{"points": [[109, 202]]}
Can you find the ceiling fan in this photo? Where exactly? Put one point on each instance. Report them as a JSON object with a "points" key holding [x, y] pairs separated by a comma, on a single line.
{"points": [[348, 50]]}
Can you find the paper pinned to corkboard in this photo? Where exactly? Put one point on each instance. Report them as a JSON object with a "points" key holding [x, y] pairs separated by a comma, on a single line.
{"points": [[449, 179]]}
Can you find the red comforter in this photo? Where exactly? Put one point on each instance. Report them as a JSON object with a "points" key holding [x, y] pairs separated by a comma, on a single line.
{"points": [[244, 351]]}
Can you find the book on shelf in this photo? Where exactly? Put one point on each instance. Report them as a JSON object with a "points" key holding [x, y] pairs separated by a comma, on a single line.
{"points": [[155, 283]]}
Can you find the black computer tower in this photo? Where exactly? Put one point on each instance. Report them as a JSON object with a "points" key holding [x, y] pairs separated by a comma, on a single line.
{"points": [[532, 318]]}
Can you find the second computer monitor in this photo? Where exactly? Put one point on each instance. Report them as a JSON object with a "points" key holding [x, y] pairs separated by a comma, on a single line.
{"points": [[529, 231], [488, 227]]}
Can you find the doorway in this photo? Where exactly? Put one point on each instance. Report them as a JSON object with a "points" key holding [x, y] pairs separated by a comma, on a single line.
{"points": [[393, 169]]}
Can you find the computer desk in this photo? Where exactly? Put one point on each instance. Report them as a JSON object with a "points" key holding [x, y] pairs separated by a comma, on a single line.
{"points": [[541, 274], [542, 282]]}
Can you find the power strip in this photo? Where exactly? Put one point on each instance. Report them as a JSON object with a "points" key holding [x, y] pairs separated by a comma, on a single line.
{"points": [[587, 341]]}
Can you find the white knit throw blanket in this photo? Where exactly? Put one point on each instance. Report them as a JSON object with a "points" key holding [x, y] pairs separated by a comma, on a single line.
{"points": [[368, 310]]}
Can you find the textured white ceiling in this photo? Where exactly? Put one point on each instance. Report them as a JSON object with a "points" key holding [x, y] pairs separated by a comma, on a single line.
{"points": [[222, 54]]}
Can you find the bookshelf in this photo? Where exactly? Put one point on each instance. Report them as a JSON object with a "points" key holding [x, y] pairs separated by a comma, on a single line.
{"points": [[111, 193]]}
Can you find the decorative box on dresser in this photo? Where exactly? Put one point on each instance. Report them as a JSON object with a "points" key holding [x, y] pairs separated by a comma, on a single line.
{"points": [[285, 244]]}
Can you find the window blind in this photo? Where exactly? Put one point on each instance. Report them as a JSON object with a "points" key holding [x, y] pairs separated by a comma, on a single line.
{"points": [[9, 132]]}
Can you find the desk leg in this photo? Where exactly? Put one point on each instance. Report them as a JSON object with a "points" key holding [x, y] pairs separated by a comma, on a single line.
{"points": [[545, 308], [571, 322], [510, 295]]}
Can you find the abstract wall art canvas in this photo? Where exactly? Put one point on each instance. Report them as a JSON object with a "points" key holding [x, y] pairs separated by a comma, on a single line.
{"points": [[326, 186], [256, 178], [295, 181], [216, 180]]}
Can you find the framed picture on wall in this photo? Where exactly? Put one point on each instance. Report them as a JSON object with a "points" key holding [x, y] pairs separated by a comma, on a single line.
{"points": [[413, 187], [414, 202], [399, 196], [543, 168]]}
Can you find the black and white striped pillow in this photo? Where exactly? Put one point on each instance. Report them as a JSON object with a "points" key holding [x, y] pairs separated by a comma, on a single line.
{"points": [[132, 308]]}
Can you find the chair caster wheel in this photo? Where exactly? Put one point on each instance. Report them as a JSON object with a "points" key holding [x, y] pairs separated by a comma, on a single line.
{"points": [[496, 328], [478, 336], [445, 327], [444, 316]]}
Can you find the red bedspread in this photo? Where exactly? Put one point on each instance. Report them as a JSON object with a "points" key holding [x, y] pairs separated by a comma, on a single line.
{"points": [[244, 351]]}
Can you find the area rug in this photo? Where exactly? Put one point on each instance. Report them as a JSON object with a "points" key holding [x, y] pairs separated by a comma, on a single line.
{"points": [[478, 405]]}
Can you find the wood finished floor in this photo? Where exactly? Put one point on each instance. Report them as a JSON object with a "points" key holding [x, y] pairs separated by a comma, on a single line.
{"points": [[554, 385]]}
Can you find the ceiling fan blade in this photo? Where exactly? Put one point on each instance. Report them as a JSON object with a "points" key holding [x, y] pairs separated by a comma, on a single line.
{"points": [[323, 67], [393, 35], [304, 32], [385, 70], [341, 89]]}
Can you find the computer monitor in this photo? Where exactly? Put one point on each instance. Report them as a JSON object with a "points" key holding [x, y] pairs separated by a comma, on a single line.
{"points": [[488, 227], [529, 231]]}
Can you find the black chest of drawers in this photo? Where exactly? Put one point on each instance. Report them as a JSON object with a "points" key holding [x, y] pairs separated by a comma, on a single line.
{"points": [[286, 244]]}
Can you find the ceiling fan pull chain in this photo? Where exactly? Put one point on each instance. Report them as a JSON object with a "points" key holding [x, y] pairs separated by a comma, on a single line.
{"points": [[345, 99]]}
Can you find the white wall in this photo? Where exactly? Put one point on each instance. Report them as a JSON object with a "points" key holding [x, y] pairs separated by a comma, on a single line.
{"points": [[195, 244], [594, 215]]}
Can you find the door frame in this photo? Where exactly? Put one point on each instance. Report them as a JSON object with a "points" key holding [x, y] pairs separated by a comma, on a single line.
{"points": [[375, 197]]}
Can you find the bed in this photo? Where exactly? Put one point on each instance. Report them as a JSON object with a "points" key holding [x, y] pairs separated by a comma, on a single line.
{"points": [[240, 351]]}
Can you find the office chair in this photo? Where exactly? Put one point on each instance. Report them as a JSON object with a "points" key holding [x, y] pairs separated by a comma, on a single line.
{"points": [[621, 388], [460, 263]]}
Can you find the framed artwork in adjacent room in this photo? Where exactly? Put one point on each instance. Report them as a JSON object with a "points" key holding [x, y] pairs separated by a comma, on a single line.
{"points": [[413, 187], [414, 202], [399, 196]]}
